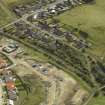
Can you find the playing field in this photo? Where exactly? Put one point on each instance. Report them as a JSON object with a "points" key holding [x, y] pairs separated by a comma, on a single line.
{"points": [[90, 18]]}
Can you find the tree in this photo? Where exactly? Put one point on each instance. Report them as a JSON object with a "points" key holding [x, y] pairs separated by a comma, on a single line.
{"points": [[55, 21], [83, 34]]}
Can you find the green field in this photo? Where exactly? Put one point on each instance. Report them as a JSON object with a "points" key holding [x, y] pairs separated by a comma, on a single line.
{"points": [[16, 2], [34, 92], [89, 18], [4, 17], [98, 101]]}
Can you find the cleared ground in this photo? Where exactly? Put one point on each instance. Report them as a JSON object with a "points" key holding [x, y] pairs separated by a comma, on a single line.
{"points": [[89, 18]]}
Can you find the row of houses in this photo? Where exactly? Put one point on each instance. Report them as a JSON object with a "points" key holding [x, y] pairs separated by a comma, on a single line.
{"points": [[9, 80], [22, 30], [23, 9], [54, 28], [58, 31], [57, 9]]}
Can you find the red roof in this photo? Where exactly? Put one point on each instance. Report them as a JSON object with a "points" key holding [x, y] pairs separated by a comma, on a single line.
{"points": [[2, 61], [10, 85]]}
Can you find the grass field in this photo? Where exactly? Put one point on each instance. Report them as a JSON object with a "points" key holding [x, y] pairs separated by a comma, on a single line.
{"points": [[90, 18], [36, 93], [11, 3], [18, 1], [98, 101], [4, 17]]}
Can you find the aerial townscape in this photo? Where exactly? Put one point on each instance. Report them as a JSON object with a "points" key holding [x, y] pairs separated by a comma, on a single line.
{"points": [[52, 52]]}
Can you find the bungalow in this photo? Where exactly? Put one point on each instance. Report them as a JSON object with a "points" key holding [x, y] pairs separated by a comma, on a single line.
{"points": [[10, 85]]}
